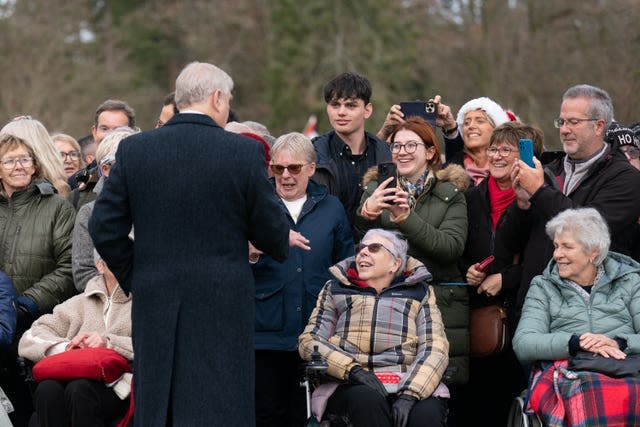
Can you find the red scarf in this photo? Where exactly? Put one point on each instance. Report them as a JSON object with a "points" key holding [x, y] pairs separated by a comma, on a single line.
{"points": [[352, 275], [499, 200]]}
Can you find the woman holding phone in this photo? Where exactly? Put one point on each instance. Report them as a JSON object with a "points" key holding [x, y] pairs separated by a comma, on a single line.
{"points": [[487, 204], [429, 209]]}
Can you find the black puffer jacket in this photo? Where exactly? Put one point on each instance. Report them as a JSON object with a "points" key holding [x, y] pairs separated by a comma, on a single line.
{"points": [[35, 247]]}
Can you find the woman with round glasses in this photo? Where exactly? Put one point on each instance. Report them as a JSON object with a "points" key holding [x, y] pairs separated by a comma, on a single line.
{"points": [[35, 247], [429, 209], [487, 205], [37, 136], [286, 292], [376, 319], [70, 153]]}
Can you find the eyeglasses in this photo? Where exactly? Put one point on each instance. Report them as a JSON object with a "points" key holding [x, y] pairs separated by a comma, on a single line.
{"points": [[505, 151], [409, 147], [632, 152], [74, 155], [374, 248], [294, 168], [10, 163], [570, 122]]}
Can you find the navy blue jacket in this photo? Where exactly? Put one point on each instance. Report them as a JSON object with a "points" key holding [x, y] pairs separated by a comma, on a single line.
{"points": [[8, 312], [287, 292]]}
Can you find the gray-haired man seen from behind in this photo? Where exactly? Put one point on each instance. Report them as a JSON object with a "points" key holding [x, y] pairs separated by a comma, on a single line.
{"points": [[195, 194]]}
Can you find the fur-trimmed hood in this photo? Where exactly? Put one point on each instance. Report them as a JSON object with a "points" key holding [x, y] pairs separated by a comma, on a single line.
{"points": [[455, 174]]}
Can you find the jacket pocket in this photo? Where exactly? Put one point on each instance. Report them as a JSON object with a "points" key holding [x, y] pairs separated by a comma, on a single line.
{"points": [[269, 308]]}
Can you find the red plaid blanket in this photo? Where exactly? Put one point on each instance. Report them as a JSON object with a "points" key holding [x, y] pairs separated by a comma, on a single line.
{"points": [[562, 397]]}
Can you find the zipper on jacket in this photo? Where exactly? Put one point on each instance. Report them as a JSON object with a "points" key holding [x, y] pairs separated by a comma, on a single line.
{"points": [[107, 310], [14, 244], [372, 332]]}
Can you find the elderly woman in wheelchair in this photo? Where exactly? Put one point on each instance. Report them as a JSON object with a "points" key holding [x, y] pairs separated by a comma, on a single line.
{"points": [[377, 321], [581, 325]]}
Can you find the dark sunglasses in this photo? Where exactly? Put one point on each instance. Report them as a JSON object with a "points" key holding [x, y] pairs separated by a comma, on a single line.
{"points": [[293, 169], [374, 248]]}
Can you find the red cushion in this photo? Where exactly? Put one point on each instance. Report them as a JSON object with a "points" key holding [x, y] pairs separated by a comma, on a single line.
{"points": [[100, 364]]}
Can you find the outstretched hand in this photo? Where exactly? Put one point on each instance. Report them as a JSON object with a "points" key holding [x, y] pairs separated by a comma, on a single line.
{"points": [[298, 240]]}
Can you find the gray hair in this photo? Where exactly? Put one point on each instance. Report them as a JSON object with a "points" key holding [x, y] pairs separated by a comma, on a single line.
{"points": [[587, 227], [600, 105], [197, 81], [110, 143], [399, 245], [297, 144]]}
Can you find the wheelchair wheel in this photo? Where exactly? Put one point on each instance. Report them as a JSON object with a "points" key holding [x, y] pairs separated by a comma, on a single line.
{"points": [[519, 418]]}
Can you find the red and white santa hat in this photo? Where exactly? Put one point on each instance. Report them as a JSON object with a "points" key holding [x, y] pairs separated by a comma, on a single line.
{"points": [[495, 112]]}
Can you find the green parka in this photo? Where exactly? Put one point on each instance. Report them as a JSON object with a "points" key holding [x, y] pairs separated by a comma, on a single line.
{"points": [[554, 310], [36, 227], [436, 230]]}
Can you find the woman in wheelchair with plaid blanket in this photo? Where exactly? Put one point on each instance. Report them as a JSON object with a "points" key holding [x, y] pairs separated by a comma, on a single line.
{"points": [[378, 317], [581, 319]]}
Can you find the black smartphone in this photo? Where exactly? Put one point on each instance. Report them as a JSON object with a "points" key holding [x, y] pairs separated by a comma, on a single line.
{"points": [[386, 170], [424, 109], [525, 146]]}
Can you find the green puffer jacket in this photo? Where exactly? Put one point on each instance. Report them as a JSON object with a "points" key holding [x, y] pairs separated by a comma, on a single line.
{"points": [[554, 310], [36, 227], [436, 230]]}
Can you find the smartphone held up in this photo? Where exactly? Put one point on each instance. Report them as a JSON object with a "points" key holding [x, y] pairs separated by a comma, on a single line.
{"points": [[424, 109], [388, 170]]}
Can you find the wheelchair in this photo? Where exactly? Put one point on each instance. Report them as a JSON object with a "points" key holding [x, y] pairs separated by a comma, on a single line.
{"points": [[314, 374]]}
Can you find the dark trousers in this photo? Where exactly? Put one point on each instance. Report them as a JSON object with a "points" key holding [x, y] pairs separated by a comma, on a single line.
{"points": [[494, 381], [79, 403], [360, 406], [280, 401]]}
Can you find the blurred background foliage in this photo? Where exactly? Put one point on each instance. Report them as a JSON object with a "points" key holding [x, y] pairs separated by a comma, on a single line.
{"points": [[61, 58]]}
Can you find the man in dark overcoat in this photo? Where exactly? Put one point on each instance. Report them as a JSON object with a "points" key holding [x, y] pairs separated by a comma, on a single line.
{"points": [[195, 195]]}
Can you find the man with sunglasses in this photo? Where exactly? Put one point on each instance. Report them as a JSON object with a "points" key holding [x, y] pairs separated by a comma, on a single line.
{"points": [[348, 151], [593, 173]]}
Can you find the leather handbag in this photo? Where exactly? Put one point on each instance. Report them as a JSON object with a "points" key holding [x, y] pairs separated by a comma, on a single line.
{"points": [[587, 361], [488, 330]]}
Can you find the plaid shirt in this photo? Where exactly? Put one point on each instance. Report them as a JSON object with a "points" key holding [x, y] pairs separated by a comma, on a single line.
{"points": [[398, 330]]}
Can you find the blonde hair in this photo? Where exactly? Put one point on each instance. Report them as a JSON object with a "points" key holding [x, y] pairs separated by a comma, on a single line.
{"points": [[38, 140], [63, 137]]}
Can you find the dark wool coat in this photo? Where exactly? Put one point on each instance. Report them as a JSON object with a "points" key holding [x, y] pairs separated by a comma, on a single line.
{"points": [[195, 195]]}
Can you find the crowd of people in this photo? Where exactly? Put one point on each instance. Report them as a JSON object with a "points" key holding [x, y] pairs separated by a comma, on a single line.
{"points": [[217, 259]]}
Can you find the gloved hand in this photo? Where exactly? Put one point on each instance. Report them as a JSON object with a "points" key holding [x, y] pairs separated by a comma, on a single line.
{"points": [[357, 375], [401, 409]]}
